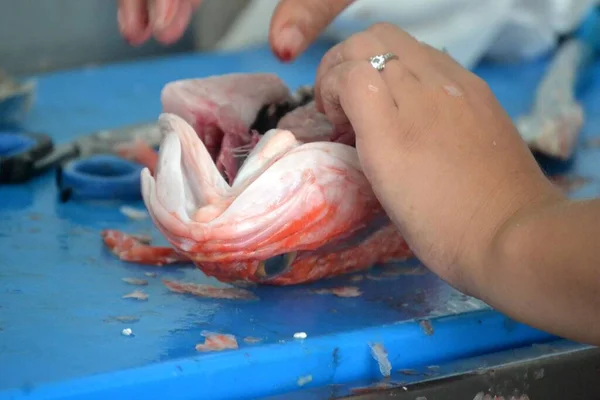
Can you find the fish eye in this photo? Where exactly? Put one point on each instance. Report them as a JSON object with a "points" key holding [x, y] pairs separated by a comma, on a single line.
{"points": [[277, 265]]}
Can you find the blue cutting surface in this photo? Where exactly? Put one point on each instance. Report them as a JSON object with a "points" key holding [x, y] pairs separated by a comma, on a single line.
{"points": [[61, 291]]}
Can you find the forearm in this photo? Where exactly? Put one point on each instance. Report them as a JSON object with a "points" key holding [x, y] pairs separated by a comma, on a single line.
{"points": [[544, 269]]}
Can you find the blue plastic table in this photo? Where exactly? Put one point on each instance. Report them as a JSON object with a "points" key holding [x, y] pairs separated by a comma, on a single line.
{"points": [[61, 291]]}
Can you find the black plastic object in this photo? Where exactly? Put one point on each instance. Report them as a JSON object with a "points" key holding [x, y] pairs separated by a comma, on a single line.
{"points": [[20, 154]]}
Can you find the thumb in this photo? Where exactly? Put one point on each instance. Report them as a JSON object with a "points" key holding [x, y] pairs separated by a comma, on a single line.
{"points": [[297, 23]]}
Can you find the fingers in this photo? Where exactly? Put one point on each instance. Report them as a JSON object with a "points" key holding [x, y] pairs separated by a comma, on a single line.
{"points": [[442, 60], [132, 17], [166, 19], [169, 19], [425, 62], [434, 69], [355, 93], [297, 23], [407, 48], [360, 47]]}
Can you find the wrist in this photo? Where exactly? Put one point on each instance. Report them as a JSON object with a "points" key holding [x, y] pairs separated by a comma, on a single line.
{"points": [[508, 241]]}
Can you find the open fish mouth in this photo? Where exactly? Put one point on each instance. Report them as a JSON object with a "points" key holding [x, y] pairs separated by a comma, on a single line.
{"points": [[185, 182], [188, 198], [285, 206], [288, 196]]}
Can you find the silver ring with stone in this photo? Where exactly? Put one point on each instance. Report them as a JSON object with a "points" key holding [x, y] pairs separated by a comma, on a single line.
{"points": [[378, 61]]}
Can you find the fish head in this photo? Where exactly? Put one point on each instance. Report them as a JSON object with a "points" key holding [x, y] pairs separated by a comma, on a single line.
{"points": [[292, 213]]}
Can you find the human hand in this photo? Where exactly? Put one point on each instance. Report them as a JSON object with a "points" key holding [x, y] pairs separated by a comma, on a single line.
{"points": [[166, 20], [295, 24], [443, 157]]}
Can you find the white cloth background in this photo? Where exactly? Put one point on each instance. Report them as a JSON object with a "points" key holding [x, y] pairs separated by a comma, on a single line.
{"points": [[468, 29]]}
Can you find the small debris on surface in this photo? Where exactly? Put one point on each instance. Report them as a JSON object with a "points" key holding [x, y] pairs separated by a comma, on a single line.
{"points": [[380, 354], [545, 347], [127, 332], [408, 372], [427, 327], [251, 340], [35, 217], [413, 270], [483, 396], [373, 277], [303, 380], [135, 281], [300, 335], [133, 213], [397, 271], [244, 284], [136, 294], [208, 291], [151, 274], [123, 318], [217, 342], [341, 291], [379, 386], [357, 278], [539, 374]]}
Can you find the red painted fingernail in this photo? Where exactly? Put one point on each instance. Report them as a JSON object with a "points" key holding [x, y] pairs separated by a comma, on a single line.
{"points": [[285, 55], [289, 42]]}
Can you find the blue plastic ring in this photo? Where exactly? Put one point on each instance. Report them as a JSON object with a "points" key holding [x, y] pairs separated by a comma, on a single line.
{"points": [[103, 177], [12, 143]]}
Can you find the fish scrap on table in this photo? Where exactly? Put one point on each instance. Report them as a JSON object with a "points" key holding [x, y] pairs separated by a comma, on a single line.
{"points": [[380, 354], [208, 291], [137, 295], [217, 342], [135, 281], [341, 291], [252, 184]]}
